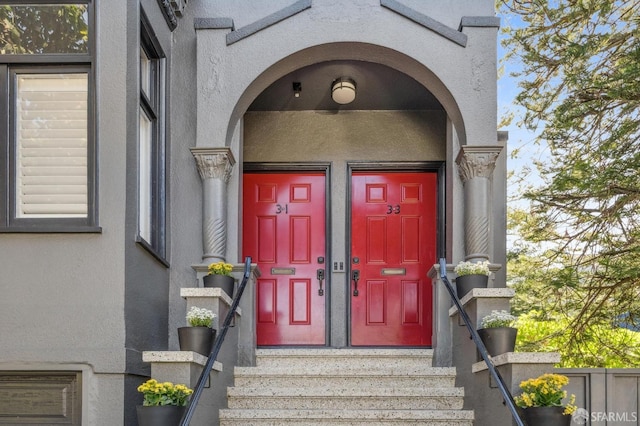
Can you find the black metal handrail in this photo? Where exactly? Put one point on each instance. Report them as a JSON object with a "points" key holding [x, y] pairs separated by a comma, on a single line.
{"points": [[506, 395], [197, 391]]}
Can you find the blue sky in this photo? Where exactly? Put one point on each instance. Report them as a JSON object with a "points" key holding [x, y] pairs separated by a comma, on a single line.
{"points": [[519, 137]]}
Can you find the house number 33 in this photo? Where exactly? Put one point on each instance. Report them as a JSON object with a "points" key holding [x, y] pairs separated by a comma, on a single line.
{"points": [[393, 209]]}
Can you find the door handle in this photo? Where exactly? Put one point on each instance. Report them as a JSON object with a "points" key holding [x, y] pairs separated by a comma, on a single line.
{"points": [[355, 276], [320, 276]]}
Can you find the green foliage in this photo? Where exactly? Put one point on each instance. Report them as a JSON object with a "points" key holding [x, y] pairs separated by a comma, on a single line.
{"points": [[42, 29], [579, 253], [549, 300], [599, 346]]}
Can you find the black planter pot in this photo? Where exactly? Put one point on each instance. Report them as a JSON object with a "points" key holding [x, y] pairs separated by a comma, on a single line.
{"points": [[465, 283], [160, 415], [224, 282], [498, 340], [546, 416], [196, 339]]}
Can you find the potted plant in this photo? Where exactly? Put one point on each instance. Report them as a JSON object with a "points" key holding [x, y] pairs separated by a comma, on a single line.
{"points": [[542, 401], [163, 403], [199, 335], [471, 275], [220, 276], [498, 333]]}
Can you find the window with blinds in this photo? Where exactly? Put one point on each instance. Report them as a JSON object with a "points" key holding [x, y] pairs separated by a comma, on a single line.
{"points": [[51, 145], [48, 137]]}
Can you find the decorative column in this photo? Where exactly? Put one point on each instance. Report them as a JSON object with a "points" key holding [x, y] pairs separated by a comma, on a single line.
{"points": [[475, 165], [215, 166]]}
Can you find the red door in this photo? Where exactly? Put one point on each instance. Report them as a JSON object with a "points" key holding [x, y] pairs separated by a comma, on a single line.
{"points": [[394, 219], [284, 233]]}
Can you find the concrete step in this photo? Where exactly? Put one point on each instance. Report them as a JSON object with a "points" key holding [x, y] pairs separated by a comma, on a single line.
{"points": [[345, 387], [323, 376], [364, 358], [341, 399], [303, 417]]}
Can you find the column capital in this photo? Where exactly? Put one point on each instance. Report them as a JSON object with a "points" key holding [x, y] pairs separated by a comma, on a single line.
{"points": [[477, 161], [214, 162]]}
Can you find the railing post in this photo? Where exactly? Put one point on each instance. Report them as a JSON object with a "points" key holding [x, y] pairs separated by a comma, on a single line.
{"points": [[197, 391], [506, 394]]}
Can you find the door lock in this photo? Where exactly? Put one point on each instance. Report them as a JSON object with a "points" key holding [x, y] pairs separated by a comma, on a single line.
{"points": [[320, 276], [355, 276]]}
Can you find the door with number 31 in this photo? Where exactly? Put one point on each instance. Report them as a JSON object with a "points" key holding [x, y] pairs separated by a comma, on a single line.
{"points": [[284, 232]]}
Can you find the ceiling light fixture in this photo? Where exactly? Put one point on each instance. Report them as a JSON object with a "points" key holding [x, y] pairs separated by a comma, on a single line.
{"points": [[343, 90], [297, 88]]}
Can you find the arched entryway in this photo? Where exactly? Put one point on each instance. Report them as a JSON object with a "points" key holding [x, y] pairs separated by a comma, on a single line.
{"points": [[455, 63], [359, 273]]}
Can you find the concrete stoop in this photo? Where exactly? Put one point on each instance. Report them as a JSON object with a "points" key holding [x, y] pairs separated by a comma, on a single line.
{"points": [[345, 386]]}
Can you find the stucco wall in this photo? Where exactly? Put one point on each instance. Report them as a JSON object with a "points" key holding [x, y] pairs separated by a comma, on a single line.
{"points": [[146, 279], [93, 302], [63, 291], [462, 78], [344, 135]]}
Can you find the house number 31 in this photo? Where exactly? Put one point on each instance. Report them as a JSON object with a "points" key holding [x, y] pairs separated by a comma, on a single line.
{"points": [[282, 209]]}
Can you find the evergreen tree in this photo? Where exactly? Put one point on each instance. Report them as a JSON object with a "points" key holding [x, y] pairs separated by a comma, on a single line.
{"points": [[580, 90]]}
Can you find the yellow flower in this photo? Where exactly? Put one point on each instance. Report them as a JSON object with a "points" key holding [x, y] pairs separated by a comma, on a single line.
{"points": [[166, 393], [220, 268], [545, 391], [570, 408]]}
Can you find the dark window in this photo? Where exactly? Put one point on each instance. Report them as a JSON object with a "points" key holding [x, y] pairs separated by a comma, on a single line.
{"points": [[47, 141], [151, 144]]}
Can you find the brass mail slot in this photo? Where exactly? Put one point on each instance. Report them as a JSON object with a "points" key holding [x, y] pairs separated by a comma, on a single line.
{"points": [[283, 271], [393, 271]]}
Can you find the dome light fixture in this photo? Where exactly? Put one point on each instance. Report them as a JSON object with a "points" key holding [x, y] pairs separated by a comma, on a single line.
{"points": [[343, 90]]}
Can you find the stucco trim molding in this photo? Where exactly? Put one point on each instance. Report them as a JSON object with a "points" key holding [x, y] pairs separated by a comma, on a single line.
{"points": [[479, 22], [213, 23], [431, 24], [268, 21]]}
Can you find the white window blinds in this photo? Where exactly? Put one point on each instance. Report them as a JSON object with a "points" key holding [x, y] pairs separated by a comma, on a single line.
{"points": [[51, 148]]}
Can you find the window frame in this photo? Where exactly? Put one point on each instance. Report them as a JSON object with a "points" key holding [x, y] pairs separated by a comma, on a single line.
{"points": [[10, 66], [154, 105]]}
